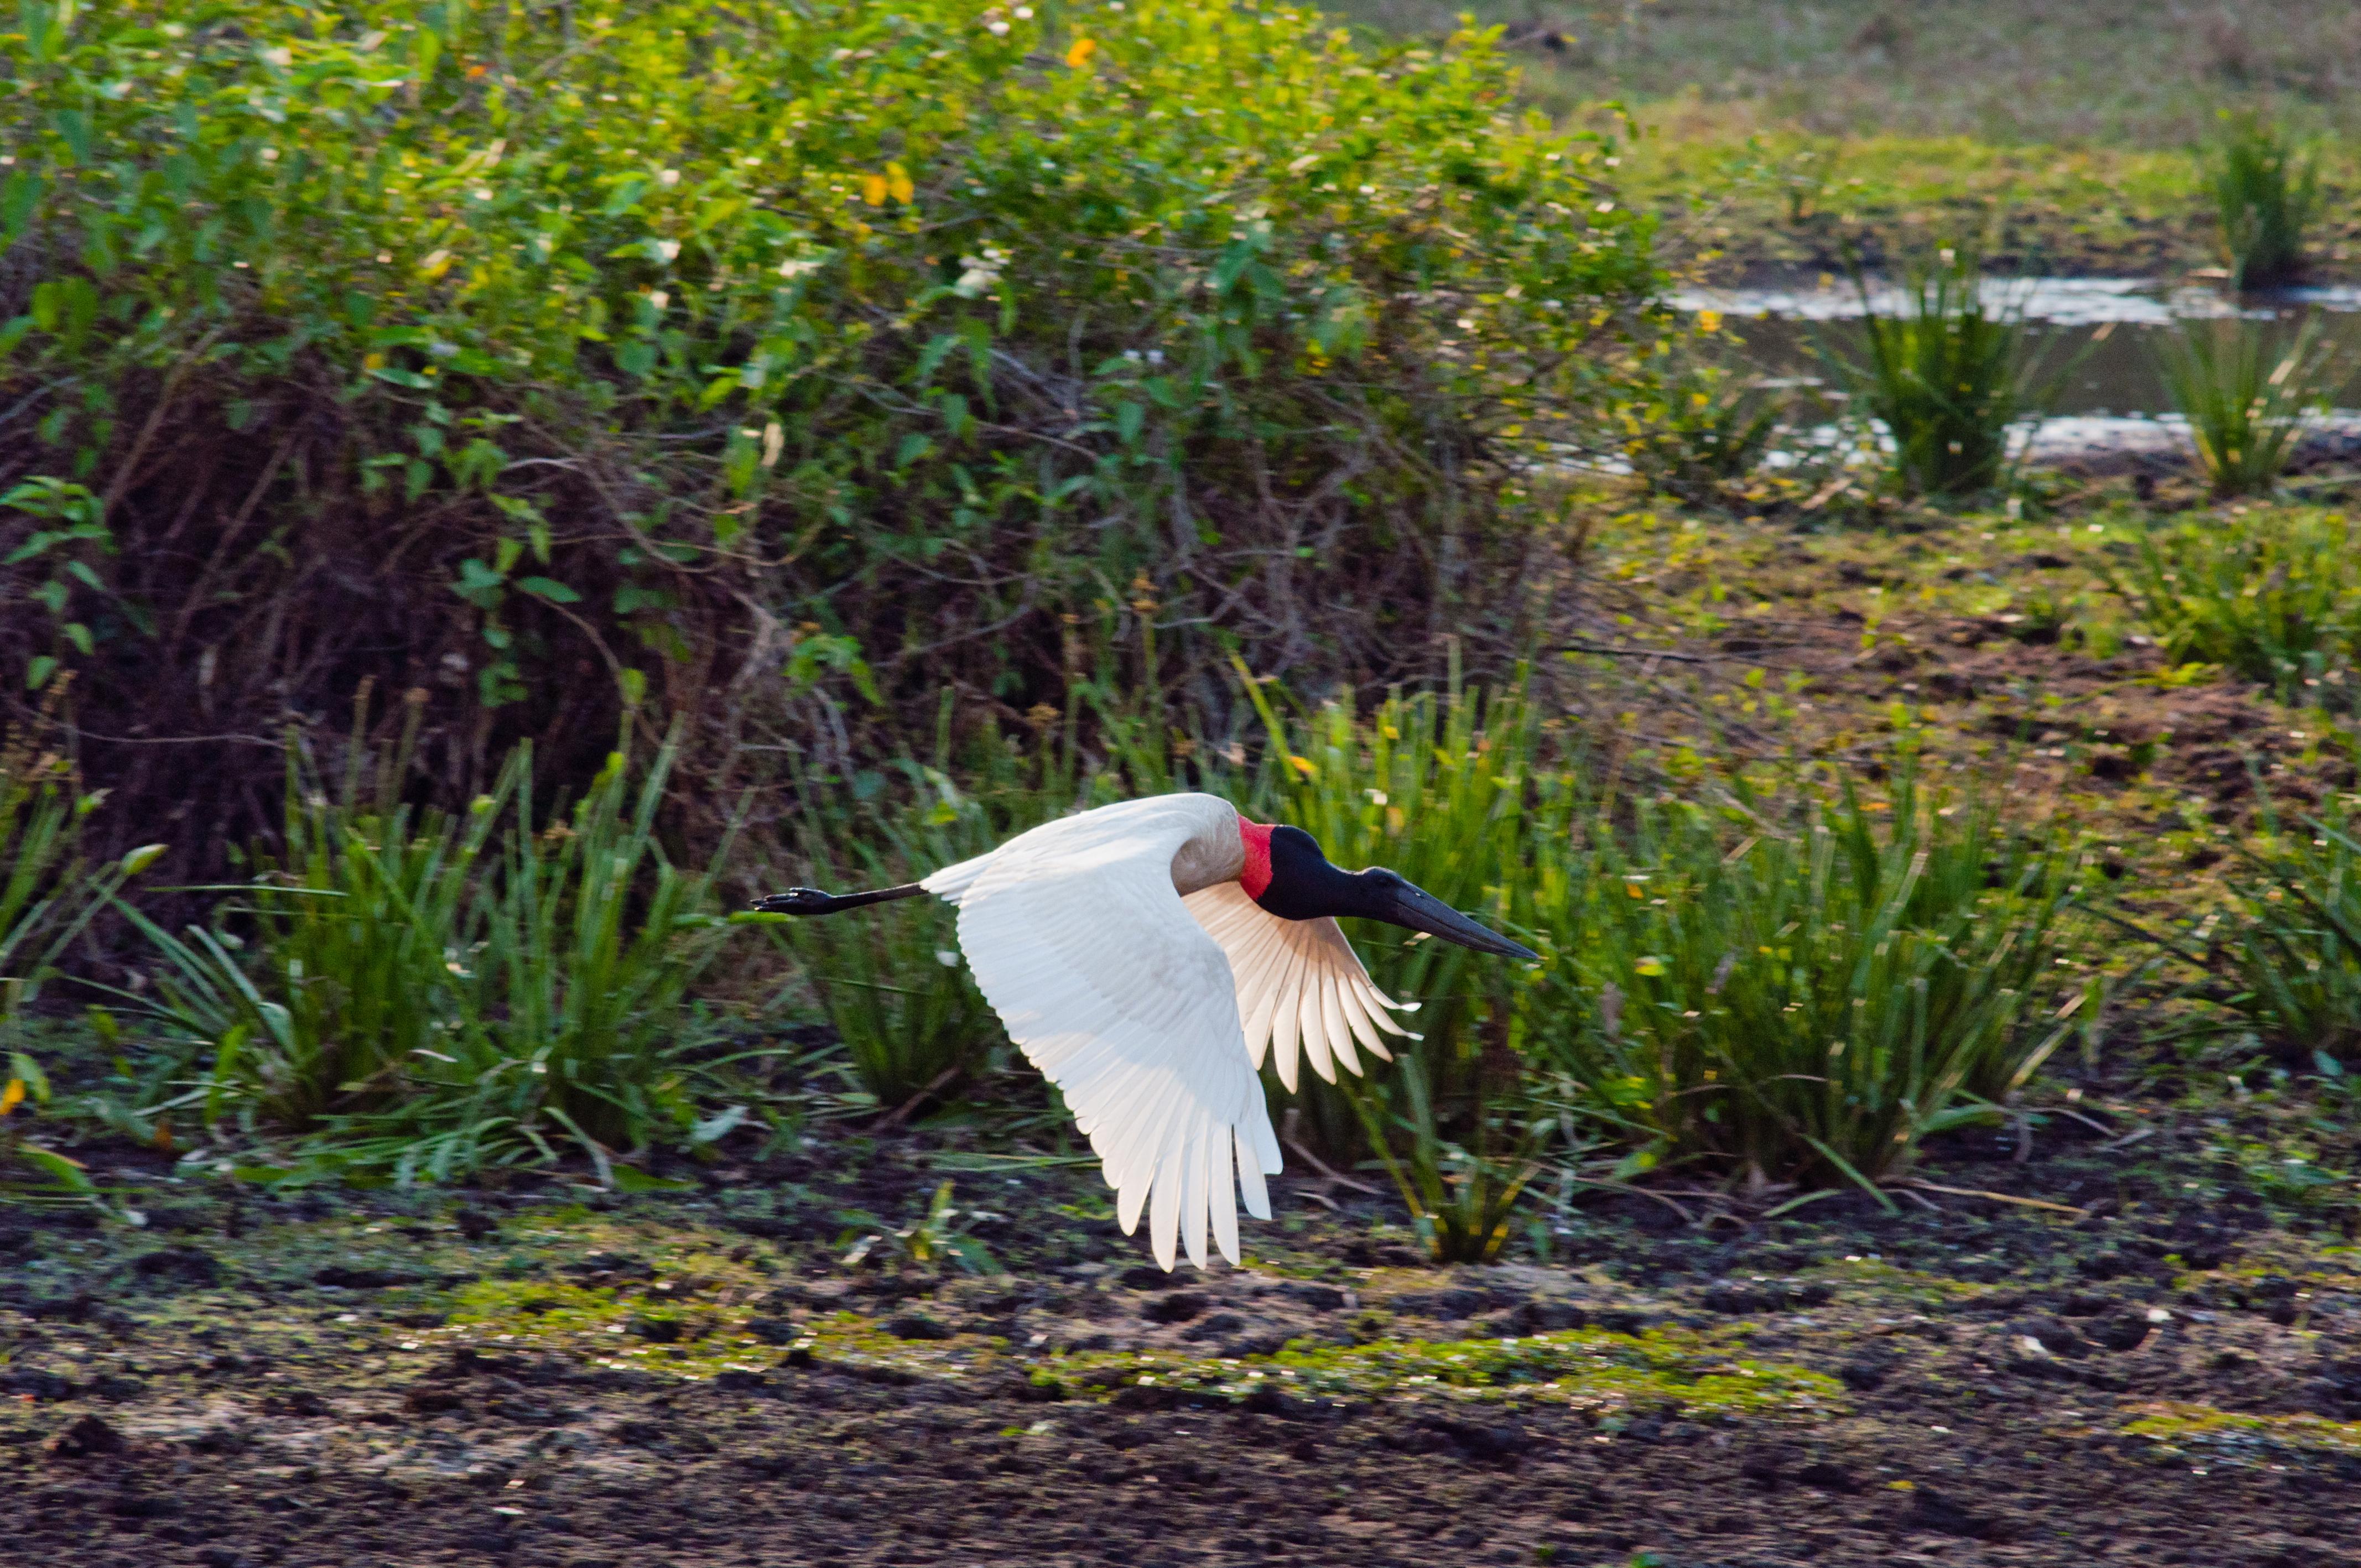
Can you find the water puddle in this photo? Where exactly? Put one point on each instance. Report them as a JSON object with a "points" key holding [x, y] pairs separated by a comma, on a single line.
{"points": [[2101, 335]]}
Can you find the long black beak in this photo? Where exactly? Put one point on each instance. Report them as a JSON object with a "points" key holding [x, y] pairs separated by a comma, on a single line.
{"points": [[1420, 910]]}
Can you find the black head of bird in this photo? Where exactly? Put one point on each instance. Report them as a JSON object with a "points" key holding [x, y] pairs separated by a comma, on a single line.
{"points": [[1287, 875]]}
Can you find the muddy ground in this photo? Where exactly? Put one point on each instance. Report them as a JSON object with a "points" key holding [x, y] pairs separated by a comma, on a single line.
{"points": [[556, 1376]]}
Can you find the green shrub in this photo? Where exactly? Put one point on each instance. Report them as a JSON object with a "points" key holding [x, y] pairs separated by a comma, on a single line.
{"points": [[1947, 377], [431, 993], [1803, 995], [2265, 196], [2274, 594], [883, 345], [2244, 400], [2297, 947], [1704, 430]]}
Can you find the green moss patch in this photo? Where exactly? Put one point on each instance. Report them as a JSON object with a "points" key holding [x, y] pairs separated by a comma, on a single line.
{"points": [[2177, 1427], [1588, 1369]]}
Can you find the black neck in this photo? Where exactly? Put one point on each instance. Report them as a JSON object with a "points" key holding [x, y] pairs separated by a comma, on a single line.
{"points": [[1305, 886]]}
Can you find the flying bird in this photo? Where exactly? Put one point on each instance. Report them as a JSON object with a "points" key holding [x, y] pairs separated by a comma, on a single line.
{"points": [[1144, 956]]}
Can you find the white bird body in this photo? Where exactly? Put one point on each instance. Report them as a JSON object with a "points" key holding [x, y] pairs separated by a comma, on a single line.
{"points": [[1133, 970], [1144, 956]]}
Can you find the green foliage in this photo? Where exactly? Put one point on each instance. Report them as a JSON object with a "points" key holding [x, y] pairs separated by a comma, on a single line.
{"points": [[2274, 594], [2297, 947], [1452, 790], [1703, 429], [2243, 401], [2264, 195], [1804, 994], [48, 895], [896, 988], [661, 333], [430, 992], [937, 1236], [1947, 377], [1460, 1198]]}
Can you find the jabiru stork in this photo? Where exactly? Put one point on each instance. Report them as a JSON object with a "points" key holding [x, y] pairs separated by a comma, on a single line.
{"points": [[1144, 956]]}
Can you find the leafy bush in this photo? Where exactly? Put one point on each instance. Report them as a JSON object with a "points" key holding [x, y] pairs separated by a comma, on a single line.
{"points": [[1804, 996], [2265, 196], [2274, 594], [1948, 378], [433, 992], [881, 344], [2243, 401], [1705, 428]]}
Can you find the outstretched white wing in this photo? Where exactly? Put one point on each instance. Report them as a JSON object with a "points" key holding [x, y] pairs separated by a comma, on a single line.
{"points": [[1081, 944], [1298, 984]]}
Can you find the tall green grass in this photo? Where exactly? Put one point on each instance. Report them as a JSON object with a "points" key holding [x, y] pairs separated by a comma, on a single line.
{"points": [[2296, 947], [1452, 790], [2244, 397], [2273, 594], [1799, 990], [892, 982], [1947, 377], [49, 895], [1804, 994], [429, 992], [2265, 194]]}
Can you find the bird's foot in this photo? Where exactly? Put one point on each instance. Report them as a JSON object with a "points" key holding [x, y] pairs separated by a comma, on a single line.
{"points": [[796, 901]]}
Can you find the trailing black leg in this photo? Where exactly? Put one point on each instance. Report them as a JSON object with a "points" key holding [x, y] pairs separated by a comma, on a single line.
{"points": [[812, 900]]}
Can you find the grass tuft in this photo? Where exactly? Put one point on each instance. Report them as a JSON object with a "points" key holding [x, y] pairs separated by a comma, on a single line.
{"points": [[2298, 947], [48, 894], [2245, 404], [2264, 195], [1947, 377]]}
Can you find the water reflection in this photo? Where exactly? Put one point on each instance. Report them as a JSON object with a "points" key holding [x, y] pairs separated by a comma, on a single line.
{"points": [[2105, 329]]}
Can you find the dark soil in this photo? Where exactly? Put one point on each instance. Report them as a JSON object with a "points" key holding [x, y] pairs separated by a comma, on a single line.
{"points": [[2166, 1377]]}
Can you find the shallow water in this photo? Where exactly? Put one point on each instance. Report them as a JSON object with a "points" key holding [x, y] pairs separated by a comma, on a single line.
{"points": [[2100, 333]]}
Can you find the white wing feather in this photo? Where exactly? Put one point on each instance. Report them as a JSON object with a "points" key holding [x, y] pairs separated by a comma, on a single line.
{"points": [[1300, 985], [1083, 946]]}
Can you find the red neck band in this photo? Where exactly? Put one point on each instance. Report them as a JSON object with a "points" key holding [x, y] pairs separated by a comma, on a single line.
{"points": [[1256, 877]]}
